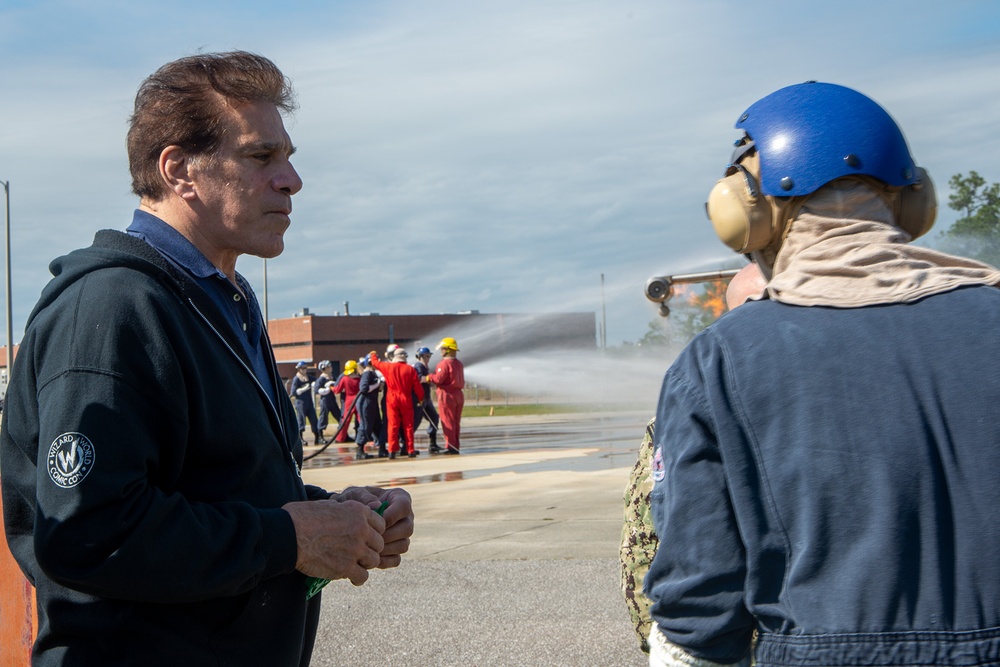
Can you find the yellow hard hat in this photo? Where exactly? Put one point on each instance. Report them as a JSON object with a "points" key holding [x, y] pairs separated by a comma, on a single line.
{"points": [[448, 344], [350, 366]]}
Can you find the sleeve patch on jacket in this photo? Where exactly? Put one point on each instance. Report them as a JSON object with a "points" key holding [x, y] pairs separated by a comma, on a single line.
{"points": [[71, 458], [659, 472]]}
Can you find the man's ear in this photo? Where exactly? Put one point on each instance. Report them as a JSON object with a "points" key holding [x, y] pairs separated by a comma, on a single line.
{"points": [[175, 167]]}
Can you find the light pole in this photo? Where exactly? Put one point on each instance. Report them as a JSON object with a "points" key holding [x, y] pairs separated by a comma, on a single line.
{"points": [[604, 319], [10, 325]]}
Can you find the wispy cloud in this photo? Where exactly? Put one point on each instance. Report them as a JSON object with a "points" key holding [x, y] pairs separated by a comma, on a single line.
{"points": [[487, 156]]}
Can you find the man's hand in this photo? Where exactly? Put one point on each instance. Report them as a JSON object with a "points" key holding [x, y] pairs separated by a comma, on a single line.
{"points": [[337, 539], [398, 519]]}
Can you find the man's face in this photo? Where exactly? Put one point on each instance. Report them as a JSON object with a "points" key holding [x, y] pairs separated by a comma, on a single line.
{"points": [[245, 189]]}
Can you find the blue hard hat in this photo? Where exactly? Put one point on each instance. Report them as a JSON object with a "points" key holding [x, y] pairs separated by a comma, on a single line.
{"points": [[812, 133], [424, 350]]}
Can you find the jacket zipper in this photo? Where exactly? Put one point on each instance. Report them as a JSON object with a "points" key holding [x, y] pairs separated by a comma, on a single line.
{"points": [[253, 375]]}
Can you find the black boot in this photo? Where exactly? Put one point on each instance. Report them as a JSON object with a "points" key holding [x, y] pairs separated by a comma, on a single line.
{"points": [[434, 449], [361, 455]]}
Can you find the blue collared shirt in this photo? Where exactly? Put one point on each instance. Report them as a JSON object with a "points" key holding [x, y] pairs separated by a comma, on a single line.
{"points": [[241, 310]]}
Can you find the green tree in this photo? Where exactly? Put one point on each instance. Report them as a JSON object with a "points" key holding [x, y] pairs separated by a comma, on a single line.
{"points": [[977, 233], [656, 335]]}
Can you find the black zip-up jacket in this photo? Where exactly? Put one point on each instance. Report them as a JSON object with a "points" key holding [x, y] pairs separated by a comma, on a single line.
{"points": [[144, 468]]}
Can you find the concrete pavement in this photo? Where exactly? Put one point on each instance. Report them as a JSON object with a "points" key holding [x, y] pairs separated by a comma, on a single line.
{"points": [[514, 559]]}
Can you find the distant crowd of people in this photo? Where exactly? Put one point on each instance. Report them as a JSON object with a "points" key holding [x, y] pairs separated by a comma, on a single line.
{"points": [[384, 400]]}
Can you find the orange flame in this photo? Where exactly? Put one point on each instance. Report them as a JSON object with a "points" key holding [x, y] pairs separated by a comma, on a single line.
{"points": [[713, 300]]}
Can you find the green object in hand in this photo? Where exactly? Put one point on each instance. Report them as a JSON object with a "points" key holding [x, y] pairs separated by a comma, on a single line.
{"points": [[315, 584]]}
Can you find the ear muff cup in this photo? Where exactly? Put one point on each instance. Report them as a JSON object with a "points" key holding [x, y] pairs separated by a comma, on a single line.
{"points": [[916, 208], [742, 218], [747, 221]]}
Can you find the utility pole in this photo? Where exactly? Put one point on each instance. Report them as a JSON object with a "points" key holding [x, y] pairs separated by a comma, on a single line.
{"points": [[10, 324], [604, 318]]}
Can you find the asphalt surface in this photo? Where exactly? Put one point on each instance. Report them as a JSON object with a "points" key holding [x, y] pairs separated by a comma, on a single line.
{"points": [[514, 558]]}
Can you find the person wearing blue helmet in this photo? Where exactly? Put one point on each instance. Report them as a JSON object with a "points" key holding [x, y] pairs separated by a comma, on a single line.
{"points": [[825, 459]]}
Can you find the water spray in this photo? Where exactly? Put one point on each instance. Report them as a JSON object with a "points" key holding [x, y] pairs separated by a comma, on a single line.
{"points": [[523, 355], [506, 355]]}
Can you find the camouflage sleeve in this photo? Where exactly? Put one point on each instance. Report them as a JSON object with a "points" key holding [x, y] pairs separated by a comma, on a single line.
{"points": [[639, 540]]}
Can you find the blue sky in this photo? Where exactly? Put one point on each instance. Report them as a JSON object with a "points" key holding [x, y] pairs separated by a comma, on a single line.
{"points": [[463, 155]]}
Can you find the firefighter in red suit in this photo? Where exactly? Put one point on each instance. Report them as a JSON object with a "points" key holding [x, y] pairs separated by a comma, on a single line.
{"points": [[449, 378], [347, 389], [402, 384]]}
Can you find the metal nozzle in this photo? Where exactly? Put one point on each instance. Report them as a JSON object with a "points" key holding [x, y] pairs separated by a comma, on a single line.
{"points": [[659, 289]]}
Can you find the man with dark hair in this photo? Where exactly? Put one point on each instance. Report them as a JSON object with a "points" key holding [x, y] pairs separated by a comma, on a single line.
{"points": [[150, 456], [184, 103]]}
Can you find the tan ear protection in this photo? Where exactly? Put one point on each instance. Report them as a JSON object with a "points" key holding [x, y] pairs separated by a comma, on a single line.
{"points": [[916, 205], [743, 218], [748, 221]]}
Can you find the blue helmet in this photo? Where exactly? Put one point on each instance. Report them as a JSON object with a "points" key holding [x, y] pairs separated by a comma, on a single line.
{"points": [[812, 133], [424, 351]]}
